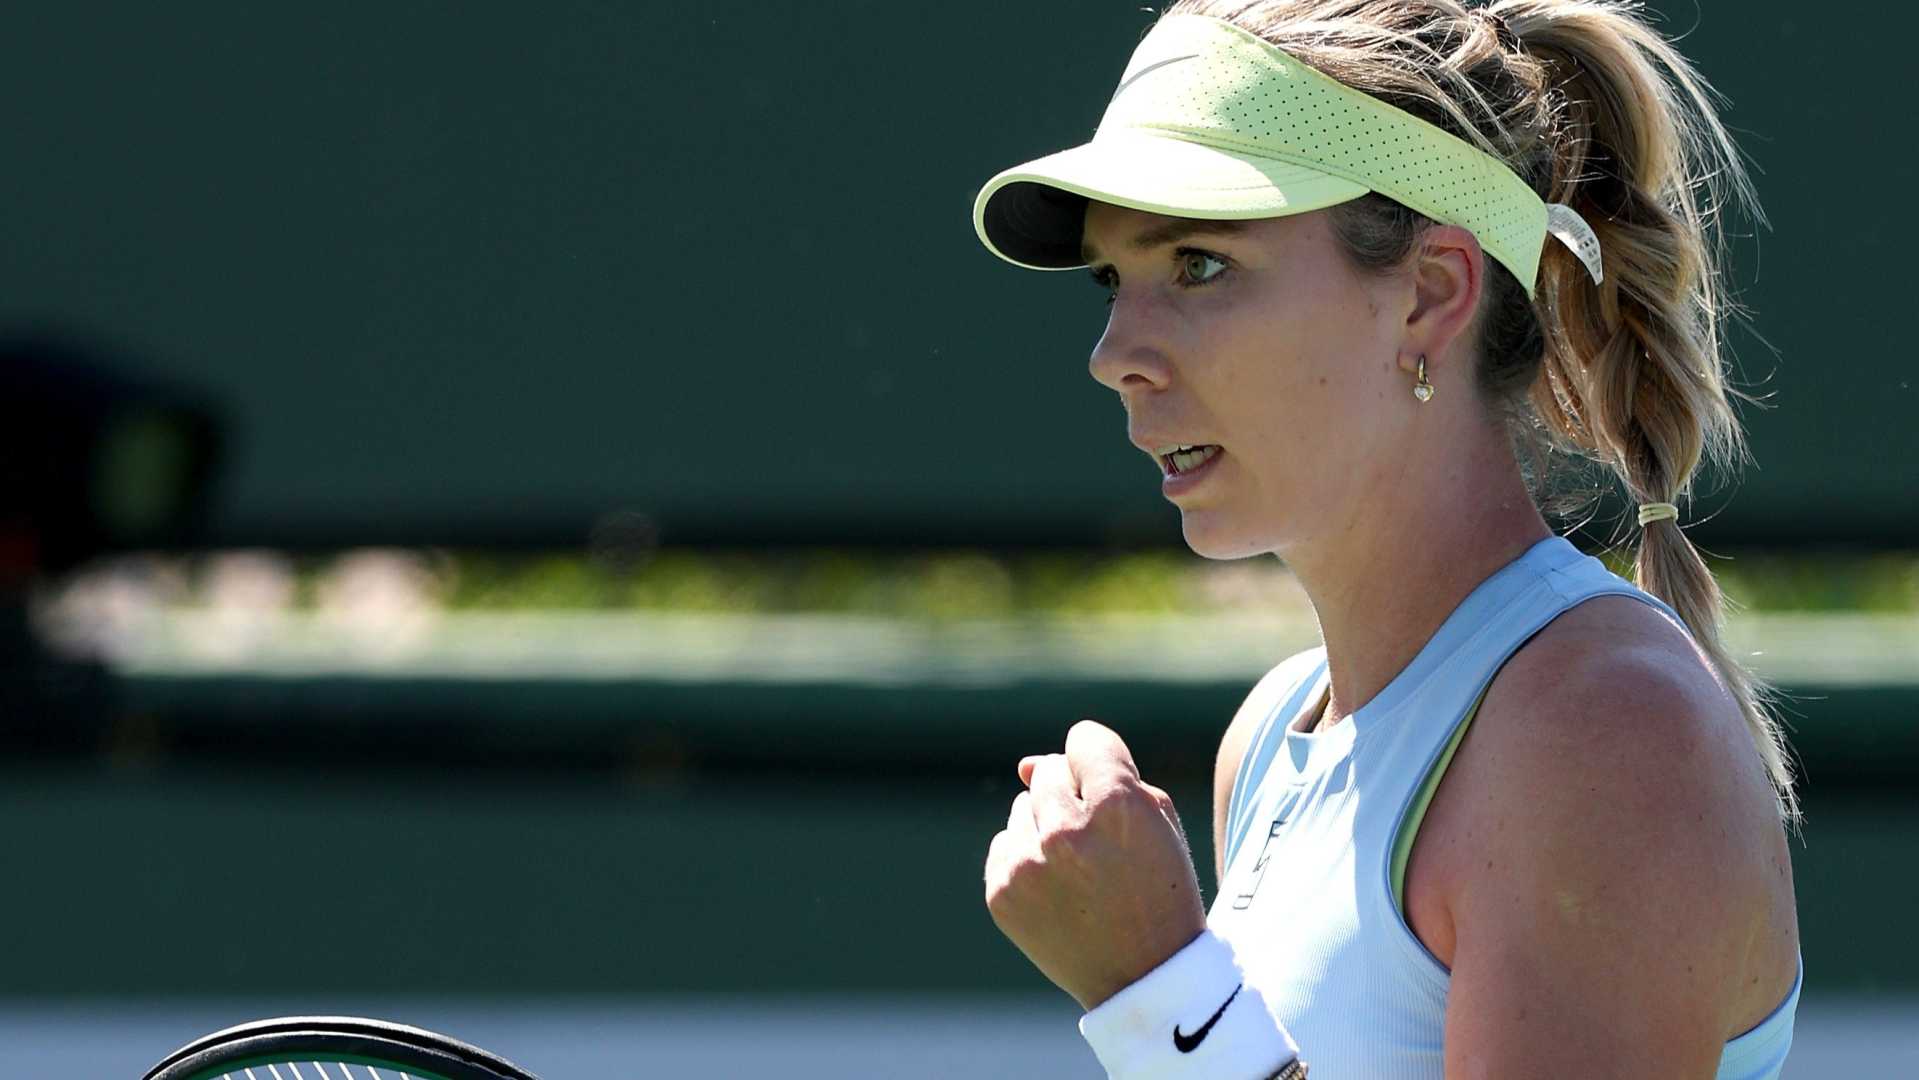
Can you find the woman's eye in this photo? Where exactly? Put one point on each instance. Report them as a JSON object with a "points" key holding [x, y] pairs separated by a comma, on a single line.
{"points": [[1196, 268], [1109, 282], [1194, 265]]}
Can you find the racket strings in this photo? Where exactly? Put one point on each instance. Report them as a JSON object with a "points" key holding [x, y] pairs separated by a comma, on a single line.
{"points": [[319, 1068]]}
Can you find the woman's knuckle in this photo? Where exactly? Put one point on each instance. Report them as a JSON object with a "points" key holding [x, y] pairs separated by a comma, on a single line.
{"points": [[1066, 841], [1117, 801]]}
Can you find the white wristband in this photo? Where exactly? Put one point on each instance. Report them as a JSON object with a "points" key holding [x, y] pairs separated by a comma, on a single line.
{"points": [[1192, 1016]]}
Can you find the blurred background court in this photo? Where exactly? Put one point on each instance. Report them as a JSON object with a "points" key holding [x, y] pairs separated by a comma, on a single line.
{"points": [[544, 522]]}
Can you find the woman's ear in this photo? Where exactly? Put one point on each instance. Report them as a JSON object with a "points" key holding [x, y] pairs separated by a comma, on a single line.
{"points": [[1449, 273]]}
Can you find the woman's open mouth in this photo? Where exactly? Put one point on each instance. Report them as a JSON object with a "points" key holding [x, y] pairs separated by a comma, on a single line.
{"points": [[1187, 466]]}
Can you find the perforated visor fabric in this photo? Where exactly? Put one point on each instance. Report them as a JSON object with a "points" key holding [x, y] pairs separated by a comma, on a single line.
{"points": [[1036, 215], [1209, 121]]}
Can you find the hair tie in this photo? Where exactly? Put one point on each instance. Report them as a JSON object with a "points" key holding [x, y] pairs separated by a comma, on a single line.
{"points": [[1651, 512]]}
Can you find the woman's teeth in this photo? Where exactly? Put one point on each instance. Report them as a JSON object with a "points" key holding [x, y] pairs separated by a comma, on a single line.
{"points": [[1188, 460]]}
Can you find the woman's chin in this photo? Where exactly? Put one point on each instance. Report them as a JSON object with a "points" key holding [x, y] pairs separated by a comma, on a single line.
{"points": [[1215, 539]]}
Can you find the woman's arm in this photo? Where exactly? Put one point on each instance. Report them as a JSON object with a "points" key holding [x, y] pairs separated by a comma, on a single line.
{"points": [[1092, 880], [1606, 877]]}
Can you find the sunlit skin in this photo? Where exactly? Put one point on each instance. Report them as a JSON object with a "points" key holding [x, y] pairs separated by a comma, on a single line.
{"points": [[1264, 340], [1269, 343]]}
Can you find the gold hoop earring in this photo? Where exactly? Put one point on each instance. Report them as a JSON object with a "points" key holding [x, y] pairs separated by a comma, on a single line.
{"points": [[1422, 389]]}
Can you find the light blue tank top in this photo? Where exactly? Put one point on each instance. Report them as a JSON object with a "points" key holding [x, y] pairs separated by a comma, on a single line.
{"points": [[1326, 807]]}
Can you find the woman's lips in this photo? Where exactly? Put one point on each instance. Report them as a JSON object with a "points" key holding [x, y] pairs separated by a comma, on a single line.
{"points": [[1178, 483]]}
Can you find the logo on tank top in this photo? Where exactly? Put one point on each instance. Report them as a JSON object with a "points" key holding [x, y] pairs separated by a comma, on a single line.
{"points": [[1288, 802]]}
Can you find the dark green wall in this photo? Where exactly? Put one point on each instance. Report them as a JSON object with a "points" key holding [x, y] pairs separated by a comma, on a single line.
{"points": [[304, 880], [478, 272], [504, 838]]}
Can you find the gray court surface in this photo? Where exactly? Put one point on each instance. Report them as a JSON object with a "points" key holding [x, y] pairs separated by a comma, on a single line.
{"points": [[960, 1039]]}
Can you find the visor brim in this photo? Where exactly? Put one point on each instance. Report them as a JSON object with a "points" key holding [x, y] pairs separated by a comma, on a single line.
{"points": [[1032, 215]]}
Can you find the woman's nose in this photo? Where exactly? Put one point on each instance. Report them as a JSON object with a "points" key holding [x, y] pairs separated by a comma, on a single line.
{"points": [[1129, 356]]}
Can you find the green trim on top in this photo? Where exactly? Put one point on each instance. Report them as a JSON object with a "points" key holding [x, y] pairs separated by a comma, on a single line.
{"points": [[1416, 813]]}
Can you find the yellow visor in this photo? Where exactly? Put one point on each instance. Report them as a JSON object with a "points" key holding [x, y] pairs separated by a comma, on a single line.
{"points": [[1209, 121]]}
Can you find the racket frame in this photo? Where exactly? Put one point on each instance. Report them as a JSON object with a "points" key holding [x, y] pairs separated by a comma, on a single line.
{"points": [[357, 1040]]}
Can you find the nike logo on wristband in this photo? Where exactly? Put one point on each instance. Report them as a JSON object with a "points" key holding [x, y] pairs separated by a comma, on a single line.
{"points": [[1185, 1043]]}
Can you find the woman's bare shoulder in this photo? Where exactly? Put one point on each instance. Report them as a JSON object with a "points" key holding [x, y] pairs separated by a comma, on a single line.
{"points": [[1609, 760]]}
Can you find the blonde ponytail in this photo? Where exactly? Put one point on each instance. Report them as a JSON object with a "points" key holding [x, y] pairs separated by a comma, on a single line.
{"points": [[1594, 108], [1636, 362]]}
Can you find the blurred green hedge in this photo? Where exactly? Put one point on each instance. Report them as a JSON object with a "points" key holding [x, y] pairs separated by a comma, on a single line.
{"points": [[965, 583]]}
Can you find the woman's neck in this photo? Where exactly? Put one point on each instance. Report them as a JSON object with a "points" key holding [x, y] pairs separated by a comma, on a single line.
{"points": [[1382, 586]]}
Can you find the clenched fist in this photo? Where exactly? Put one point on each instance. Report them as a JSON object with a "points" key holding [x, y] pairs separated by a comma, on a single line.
{"points": [[1091, 877]]}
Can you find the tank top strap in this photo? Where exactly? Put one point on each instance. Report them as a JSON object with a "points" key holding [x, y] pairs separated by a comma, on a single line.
{"points": [[1587, 577], [1454, 669]]}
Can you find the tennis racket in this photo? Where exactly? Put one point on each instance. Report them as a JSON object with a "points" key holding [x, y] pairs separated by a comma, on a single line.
{"points": [[329, 1048]]}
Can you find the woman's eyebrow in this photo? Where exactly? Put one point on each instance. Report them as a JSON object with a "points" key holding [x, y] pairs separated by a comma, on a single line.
{"points": [[1169, 233]]}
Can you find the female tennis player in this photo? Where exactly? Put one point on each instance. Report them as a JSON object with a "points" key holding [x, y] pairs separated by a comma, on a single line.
{"points": [[1374, 266]]}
